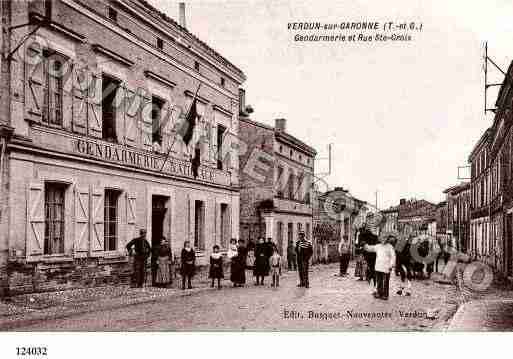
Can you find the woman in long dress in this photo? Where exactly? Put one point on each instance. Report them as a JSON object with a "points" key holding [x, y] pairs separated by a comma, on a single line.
{"points": [[163, 278], [232, 257], [216, 267]]}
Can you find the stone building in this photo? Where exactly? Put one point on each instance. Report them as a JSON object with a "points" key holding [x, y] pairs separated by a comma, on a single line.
{"points": [[334, 218], [458, 215], [92, 105], [276, 172]]}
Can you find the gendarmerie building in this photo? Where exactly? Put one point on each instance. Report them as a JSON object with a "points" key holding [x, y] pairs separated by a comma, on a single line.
{"points": [[276, 176], [92, 105]]}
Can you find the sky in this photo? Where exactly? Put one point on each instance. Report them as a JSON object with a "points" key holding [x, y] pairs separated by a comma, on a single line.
{"points": [[402, 116]]}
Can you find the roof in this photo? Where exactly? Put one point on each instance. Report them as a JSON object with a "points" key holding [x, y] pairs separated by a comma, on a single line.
{"points": [[480, 143], [416, 208], [391, 209], [458, 188], [281, 135], [205, 46]]}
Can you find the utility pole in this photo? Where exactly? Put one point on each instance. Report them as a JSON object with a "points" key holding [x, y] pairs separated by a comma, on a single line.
{"points": [[376, 200]]}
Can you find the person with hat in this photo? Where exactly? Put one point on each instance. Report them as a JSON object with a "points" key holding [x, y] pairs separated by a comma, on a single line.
{"points": [[304, 251], [142, 252]]}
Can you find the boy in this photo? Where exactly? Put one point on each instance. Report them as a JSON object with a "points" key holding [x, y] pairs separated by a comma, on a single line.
{"points": [[385, 261], [275, 264]]}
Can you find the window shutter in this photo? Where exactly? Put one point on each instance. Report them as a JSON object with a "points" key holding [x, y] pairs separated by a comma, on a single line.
{"points": [[34, 79], [131, 114], [80, 86], [131, 216], [119, 103], [81, 220], [166, 129], [67, 104], [97, 221], [35, 221], [145, 119], [94, 110]]}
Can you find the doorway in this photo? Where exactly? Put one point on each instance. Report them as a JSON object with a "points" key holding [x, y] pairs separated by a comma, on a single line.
{"points": [[158, 215]]}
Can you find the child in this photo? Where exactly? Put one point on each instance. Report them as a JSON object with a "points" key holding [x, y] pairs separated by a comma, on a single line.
{"points": [[275, 264], [385, 261], [216, 267], [361, 265]]}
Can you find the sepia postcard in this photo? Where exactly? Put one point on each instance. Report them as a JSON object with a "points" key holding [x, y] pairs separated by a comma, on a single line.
{"points": [[270, 166]]}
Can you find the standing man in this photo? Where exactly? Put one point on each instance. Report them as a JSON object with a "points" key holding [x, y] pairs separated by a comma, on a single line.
{"points": [[304, 251], [344, 253], [291, 255], [142, 252]]}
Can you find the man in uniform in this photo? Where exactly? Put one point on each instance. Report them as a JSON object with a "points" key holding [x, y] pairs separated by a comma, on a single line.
{"points": [[304, 252], [142, 252]]}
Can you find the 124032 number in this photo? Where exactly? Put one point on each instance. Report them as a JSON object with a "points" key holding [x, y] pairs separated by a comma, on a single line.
{"points": [[31, 351]]}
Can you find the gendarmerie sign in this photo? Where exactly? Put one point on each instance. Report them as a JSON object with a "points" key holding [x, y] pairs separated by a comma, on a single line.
{"points": [[124, 156]]}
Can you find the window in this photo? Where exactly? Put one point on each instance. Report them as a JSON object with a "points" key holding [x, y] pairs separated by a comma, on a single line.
{"points": [[222, 81], [307, 234], [225, 226], [299, 227], [279, 181], [110, 233], [160, 43], [220, 137], [53, 68], [281, 148], [156, 112], [199, 225], [113, 15], [291, 153], [54, 218], [109, 89], [290, 186], [196, 65]]}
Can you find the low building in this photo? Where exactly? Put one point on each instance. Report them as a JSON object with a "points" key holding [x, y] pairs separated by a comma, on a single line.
{"points": [[276, 175], [91, 151], [414, 216]]}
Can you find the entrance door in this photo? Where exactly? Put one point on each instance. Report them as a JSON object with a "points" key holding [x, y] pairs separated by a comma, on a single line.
{"points": [[509, 245], [158, 214]]}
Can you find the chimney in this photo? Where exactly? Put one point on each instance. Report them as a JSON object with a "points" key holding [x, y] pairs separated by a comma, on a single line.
{"points": [[242, 100], [280, 124], [182, 14]]}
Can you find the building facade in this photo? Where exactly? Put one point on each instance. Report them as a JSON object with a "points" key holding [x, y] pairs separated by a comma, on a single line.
{"points": [[276, 172], [93, 148], [458, 215], [414, 216], [334, 218], [391, 216]]}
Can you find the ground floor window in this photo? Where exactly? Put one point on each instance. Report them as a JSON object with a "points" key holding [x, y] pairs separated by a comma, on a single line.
{"points": [[199, 225], [225, 225], [54, 218], [110, 234]]}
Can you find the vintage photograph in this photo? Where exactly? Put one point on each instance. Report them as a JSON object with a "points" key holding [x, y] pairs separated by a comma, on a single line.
{"points": [[250, 165]]}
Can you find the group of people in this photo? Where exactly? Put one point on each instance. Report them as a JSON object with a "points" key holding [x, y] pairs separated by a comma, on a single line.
{"points": [[267, 261]]}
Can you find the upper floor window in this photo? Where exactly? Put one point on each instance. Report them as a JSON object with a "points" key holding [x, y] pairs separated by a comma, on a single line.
{"points": [[291, 153], [54, 65], [160, 43], [156, 114], [281, 148], [220, 137], [196, 65], [113, 14], [109, 90], [223, 82]]}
